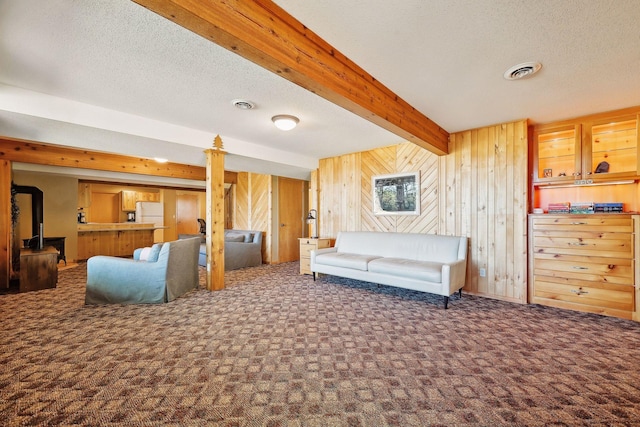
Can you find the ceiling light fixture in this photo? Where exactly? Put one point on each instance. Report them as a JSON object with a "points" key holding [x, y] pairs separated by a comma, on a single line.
{"points": [[523, 70], [160, 159], [243, 104], [285, 122]]}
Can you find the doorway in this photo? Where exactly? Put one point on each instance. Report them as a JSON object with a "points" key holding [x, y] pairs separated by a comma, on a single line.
{"points": [[290, 218], [187, 214]]}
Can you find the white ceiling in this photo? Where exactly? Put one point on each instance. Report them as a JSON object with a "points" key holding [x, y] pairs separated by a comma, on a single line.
{"points": [[109, 75]]}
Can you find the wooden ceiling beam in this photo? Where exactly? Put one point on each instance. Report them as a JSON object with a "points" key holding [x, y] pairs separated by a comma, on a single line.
{"points": [[265, 34], [20, 150]]}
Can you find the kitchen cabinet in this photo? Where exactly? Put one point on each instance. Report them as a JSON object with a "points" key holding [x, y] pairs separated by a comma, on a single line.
{"points": [[84, 195], [584, 262], [128, 200], [594, 148], [142, 196]]}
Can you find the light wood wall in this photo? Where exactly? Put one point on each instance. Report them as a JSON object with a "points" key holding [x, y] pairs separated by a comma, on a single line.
{"points": [[484, 195], [253, 206], [479, 190]]}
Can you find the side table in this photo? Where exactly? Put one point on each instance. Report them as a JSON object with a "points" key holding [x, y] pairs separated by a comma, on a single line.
{"points": [[307, 244], [38, 269]]}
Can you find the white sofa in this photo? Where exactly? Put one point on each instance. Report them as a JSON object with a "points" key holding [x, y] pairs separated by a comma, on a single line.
{"points": [[422, 262]]}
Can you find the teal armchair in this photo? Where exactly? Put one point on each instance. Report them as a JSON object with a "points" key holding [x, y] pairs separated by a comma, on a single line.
{"points": [[170, 270]]}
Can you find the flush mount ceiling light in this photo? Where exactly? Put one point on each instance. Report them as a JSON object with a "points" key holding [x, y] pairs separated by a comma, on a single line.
{"points": [[523, 70], [285, 122], [160, 159], [243, 104]]}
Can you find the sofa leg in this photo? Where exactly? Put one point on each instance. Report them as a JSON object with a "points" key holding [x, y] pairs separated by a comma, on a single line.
{"points": [[460, 293], [446, 302], [314, 275]]}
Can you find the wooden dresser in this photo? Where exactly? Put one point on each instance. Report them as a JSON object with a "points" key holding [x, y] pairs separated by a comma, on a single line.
{"points": [[307, 245], [584, 262]]}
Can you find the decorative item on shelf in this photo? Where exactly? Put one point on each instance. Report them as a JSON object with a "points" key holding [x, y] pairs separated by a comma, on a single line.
{"points": [[608, 207], [582, 208], [312, 219], [603, 167], [559, 208], [548, 173]]}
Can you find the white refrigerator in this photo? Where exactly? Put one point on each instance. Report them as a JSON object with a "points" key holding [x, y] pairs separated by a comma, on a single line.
{"points": [[151, 212]]}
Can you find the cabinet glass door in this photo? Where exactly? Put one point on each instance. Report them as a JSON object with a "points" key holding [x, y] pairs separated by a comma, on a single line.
{"points": [[614, 147], [558, 153]]}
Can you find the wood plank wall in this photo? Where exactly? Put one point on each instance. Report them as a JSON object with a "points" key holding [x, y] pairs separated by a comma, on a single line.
{"points": [[484, 196], [479, 190], [253, 206]]}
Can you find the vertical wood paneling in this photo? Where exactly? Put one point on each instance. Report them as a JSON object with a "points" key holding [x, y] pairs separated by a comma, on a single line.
{"points": [[487, 174]]}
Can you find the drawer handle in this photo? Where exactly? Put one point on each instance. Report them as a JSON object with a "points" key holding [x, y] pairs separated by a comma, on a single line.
{"points": [[579, 291], [577, 267], [579, 244], [579, 223]]}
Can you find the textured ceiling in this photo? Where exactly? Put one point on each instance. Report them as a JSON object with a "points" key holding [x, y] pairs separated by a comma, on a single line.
{"points": [[109, 75]]}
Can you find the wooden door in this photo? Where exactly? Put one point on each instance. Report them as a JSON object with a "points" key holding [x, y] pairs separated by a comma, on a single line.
{"points": [[290, 221], [187, 214], [105, 207]]}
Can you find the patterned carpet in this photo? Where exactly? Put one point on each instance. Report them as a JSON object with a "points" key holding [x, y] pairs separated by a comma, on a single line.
{"points": [[277, 349]]}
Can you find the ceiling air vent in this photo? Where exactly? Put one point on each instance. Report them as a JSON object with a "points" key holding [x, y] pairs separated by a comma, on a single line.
{"points": [[522, 70], [243, 104]]}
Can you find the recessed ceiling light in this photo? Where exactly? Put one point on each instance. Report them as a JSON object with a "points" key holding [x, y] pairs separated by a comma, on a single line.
{"points": [[160, 159], [523, 70], [243, 104], [285, 121]]}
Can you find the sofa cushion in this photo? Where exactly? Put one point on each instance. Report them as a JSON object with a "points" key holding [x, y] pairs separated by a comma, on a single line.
{"points": [[420, 270], [414, 246], [234, 237], [345, 260], [155, 251]]}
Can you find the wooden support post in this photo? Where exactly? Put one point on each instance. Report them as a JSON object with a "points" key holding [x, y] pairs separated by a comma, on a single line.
{"points": [[215, 216], [5, 223]]}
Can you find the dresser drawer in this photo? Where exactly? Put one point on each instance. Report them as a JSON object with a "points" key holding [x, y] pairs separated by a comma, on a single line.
{"points": [[594, 269], [619, 245], [305, 250], [305, 266], [605, 295], [595, 223]]}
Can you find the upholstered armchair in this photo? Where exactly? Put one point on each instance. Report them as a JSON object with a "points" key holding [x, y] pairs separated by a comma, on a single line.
{"points": [[168, 271]]}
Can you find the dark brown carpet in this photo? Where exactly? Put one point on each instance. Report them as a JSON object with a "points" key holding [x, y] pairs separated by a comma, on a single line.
{"points": [[277, 349]]}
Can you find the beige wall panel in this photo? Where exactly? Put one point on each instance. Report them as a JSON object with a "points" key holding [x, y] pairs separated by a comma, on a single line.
{"points": [[60, 194]]}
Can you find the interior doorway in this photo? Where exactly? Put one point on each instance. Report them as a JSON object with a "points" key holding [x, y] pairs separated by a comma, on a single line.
{"points": [[187, 214], [290, 218]]}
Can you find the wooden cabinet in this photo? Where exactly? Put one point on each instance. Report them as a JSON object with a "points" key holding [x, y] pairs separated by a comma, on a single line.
{"points": [[143, 196], [307, 245], [38, 269], [84, 195], [584, 262], [128, 200], [594, 148]]}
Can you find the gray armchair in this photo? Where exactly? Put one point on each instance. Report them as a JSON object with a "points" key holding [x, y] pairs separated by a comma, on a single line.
{"points": [[170, 271]]}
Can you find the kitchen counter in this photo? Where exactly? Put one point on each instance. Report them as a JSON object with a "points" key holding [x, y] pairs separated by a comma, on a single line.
{"points": [[117, 226], [114, 239]]}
